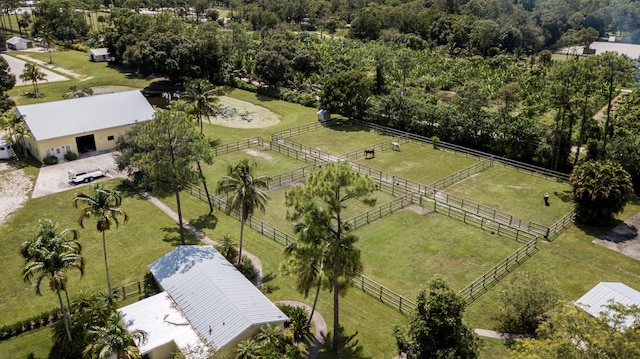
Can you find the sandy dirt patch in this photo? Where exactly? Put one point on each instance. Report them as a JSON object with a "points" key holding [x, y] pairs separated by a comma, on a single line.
{"points": [[242, 114], [15, 187], [623, 238], [254, 153]]}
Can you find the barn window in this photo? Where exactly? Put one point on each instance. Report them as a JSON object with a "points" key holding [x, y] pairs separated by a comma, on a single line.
{"points": [[110, 138]]}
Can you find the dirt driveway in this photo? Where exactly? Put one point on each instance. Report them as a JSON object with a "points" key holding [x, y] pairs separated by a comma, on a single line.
{"points": [[54, 179]]}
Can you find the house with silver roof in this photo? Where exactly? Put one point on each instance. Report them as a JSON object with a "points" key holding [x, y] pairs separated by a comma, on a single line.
{"points": [[82, 124], [98, 55], [206, 302], [596, 300], [19, 43]]}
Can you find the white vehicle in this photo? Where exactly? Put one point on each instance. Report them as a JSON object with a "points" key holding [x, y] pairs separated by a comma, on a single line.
{"points": [[86, 176]]}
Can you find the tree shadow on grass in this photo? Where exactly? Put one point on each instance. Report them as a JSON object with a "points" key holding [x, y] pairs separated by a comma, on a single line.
{"points": [[205, 221], [348, 347], [172, 235], [345, 126], [564, 196], [596, 231]]}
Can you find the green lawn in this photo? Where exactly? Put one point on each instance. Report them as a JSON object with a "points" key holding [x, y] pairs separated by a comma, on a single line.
{"points": [[517, 193], [341, 138], [418, 162], [130, 248], [35, 344]]}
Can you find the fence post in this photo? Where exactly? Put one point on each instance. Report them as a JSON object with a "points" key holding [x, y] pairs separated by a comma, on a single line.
{"points": [[400, 306], [124, 293], [381, 294], [362, 282]]}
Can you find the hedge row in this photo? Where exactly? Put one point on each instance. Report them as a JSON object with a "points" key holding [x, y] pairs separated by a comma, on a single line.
{"points": [[35, 322]]}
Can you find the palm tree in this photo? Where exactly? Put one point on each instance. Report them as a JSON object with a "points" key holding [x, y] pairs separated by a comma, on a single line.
{"points": [[248, 349], [103, 205], [202, 95], [48, 39], [49, 255], [16, 128], [32, 73], [244, 193], [114, 338]]}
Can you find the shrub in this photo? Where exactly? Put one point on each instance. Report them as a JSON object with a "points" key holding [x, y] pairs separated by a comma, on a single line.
{"points": [[70, 156], [79, 47], [435, 140], [227, 247], [246, 268], [50, 160], [298, 319], [150, 285]]}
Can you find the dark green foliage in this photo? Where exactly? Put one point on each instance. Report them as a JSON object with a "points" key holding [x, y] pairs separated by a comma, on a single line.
{"points": [[524, 302], [228, 248], [150, 285], [601, 189], [70, 156], [298, 321], [347, 93], [35, 322], [246, 268], [436, 329], [50, 160]]}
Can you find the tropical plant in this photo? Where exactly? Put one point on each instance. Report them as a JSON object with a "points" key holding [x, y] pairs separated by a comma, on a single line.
{"points": [[114, 338], [324, 239], [600, 190], [16, 129], [244, 192], [202, 95], [104, 205], [32, 73], [436, 329], [247, 349], [227, 247], [48, 256]]}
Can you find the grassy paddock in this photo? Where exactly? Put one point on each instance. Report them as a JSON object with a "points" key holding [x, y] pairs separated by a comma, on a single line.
{"points": [[418, 162], [130, 248], [426, 246], [269, 163], [517, 193], [276, 209], [341, 138]]}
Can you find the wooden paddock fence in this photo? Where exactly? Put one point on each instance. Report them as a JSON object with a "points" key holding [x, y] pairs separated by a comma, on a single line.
{"points": [[237, 146], [296, 131], [461, 175]]}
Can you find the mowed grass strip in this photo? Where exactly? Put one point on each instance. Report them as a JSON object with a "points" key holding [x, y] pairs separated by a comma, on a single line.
{"points": [[518, 193], [406, 250], [359, 311], [418, 162], [148, 235], [340, 138]]}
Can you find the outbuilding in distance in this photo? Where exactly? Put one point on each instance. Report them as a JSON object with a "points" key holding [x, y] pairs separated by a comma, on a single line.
{"points": [[83, 124], [99, 54]]}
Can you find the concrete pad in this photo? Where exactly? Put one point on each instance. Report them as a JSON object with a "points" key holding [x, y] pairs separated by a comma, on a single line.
{"points": [[16, 67], [623, 238], [55, 178]]}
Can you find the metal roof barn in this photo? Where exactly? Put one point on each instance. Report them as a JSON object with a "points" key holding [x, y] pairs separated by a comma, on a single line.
{"points": [[85, 114], [595, 301]]}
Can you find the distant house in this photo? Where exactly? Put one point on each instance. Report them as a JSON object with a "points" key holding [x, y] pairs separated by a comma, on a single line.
{"points": [[19, 43], [206, 302], [99, 55], [595, 301], [82, 124]]}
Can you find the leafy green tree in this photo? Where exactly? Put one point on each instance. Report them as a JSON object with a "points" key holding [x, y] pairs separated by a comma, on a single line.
{"points": [[271, 66], [171, 147], [103, 205], [227, 247], [616, 70], [347, 93], [48, 256], [317, 209], [33, 73], [7, 81], [436, 329], [600, 190], [245, 193], [114, 338], [16, 129], [572, 333], [523, 303], [625, 150]]}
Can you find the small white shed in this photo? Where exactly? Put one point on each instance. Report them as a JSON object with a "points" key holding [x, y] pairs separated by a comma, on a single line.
{"points": [[323, 115], [19, 43], [99, 55], [595, 301], [5, 150]]}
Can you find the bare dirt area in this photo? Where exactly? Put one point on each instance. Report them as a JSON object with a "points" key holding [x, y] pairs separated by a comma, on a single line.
{"points": [[15, 187], [623, 238], [255, 153], [242, 114]]}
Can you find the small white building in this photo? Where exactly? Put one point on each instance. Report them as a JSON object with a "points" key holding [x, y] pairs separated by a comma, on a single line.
{"points": [[206, 302], [596, 300], [19, 43], [99, 55], [5, 150]]}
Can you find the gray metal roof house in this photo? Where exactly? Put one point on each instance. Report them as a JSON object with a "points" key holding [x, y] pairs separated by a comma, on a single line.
{"points": [[19, 43], [82, 124], [204, 294], [98, 55], [595, 301]]}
